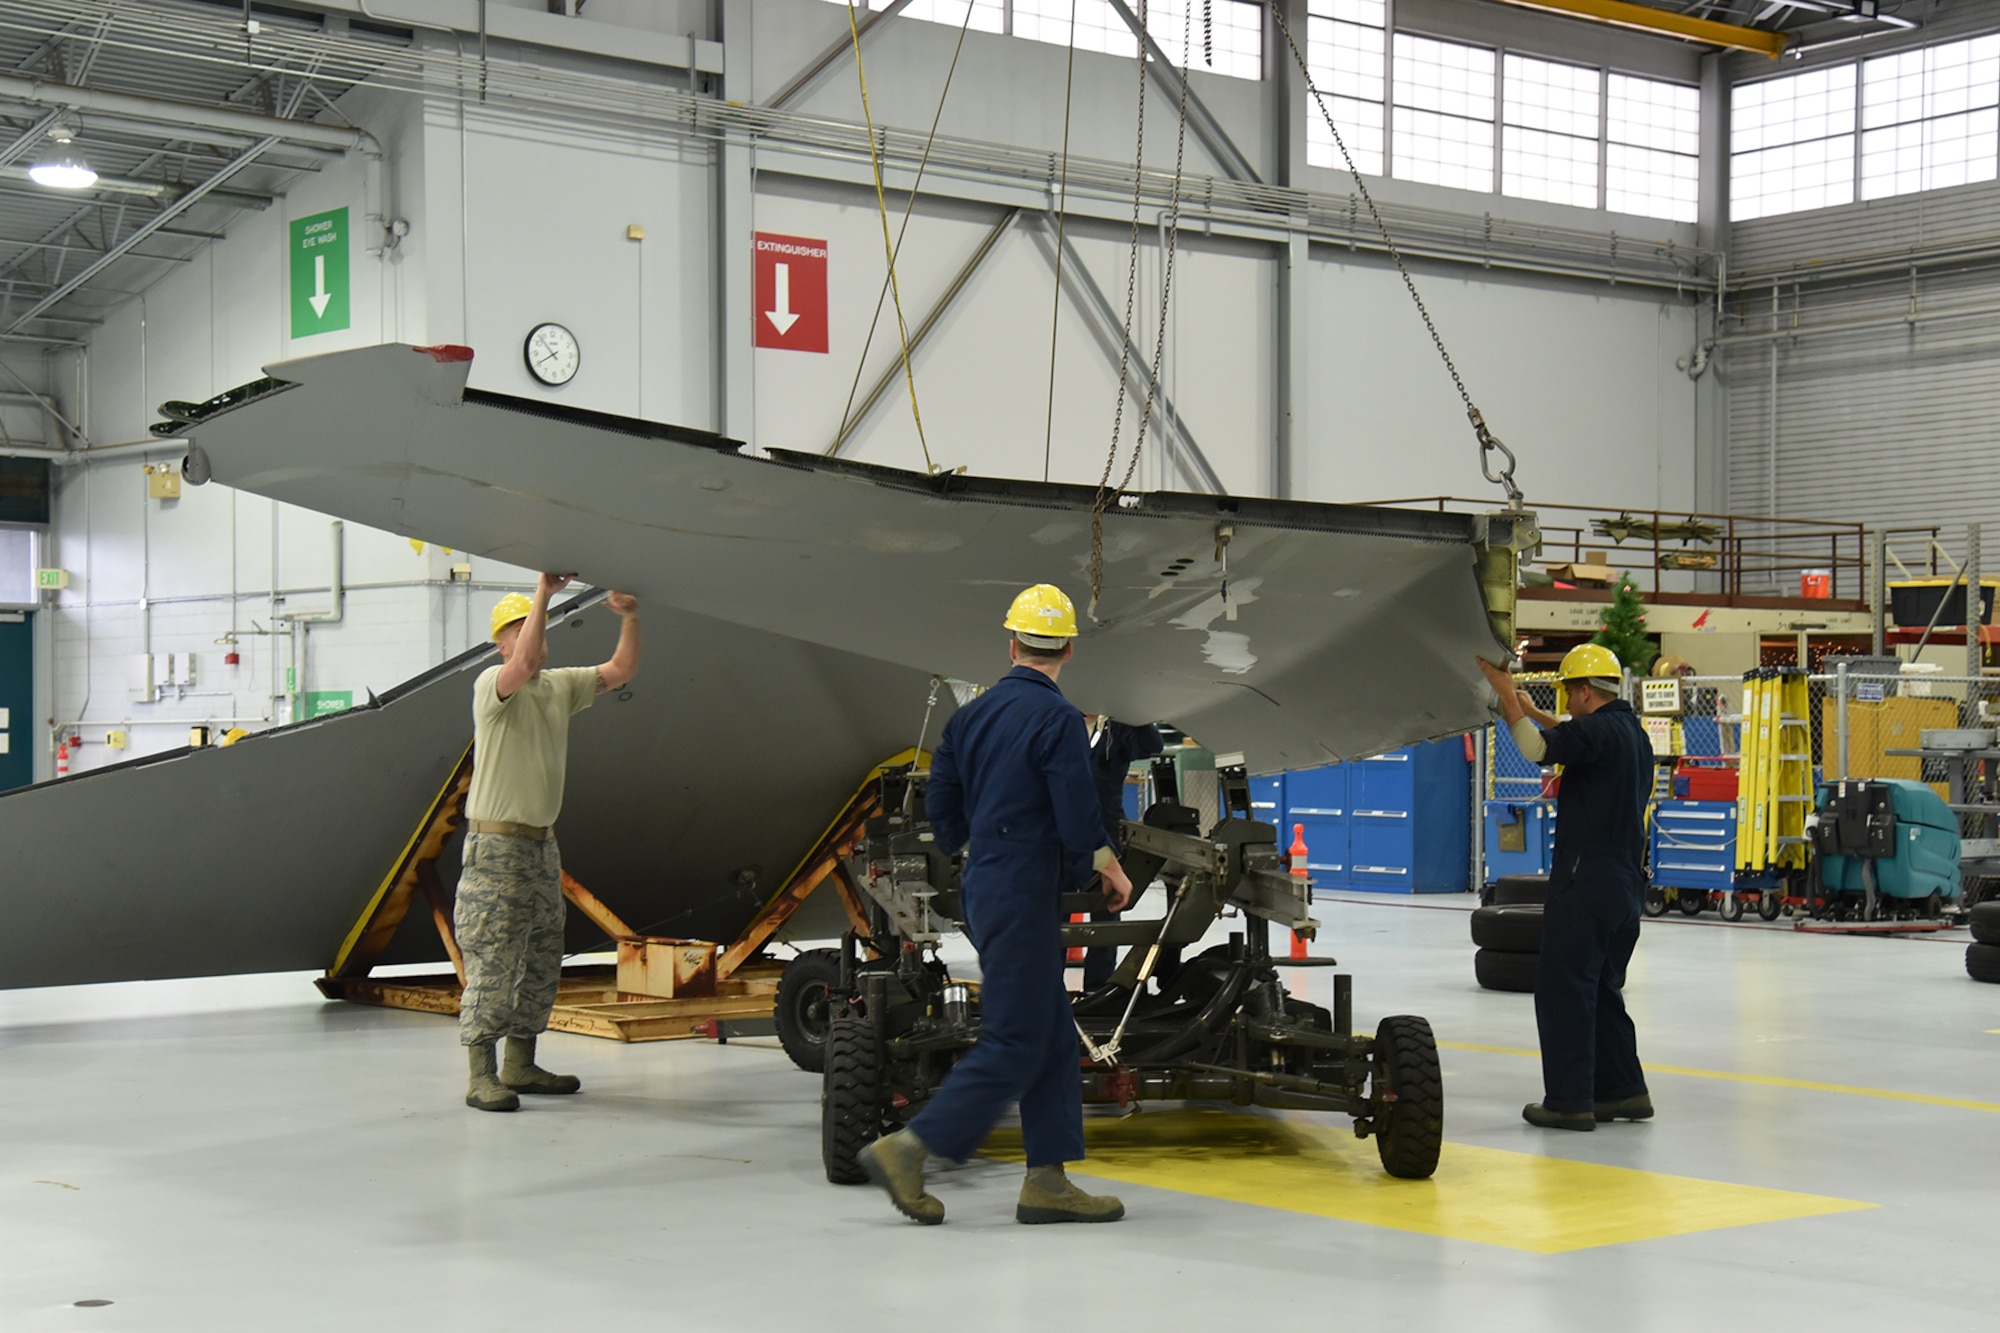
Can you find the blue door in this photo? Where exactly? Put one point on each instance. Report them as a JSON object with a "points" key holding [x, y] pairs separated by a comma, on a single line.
{"points": [[17, 701]]}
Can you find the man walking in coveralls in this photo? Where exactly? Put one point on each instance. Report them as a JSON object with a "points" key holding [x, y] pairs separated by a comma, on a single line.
{"points": [[1012, 778], [1590, 925]]}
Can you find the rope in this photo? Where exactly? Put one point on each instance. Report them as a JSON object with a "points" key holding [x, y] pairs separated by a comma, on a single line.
{"points": [[923, 164], [1489, 443], [1105, 493], [888, 246], [1062, 223]]}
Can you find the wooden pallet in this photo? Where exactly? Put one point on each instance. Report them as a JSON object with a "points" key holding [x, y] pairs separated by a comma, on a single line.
{"points": [[696, 985], [588, 1003]]}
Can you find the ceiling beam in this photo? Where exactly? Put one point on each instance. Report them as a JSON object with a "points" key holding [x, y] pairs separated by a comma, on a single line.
{"points": [[1662, 22], [160, 219], [160, 111]]}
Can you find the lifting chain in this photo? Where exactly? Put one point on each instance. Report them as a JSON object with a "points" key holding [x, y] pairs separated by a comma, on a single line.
{"points": [[1105, 492], [1489, 443]]}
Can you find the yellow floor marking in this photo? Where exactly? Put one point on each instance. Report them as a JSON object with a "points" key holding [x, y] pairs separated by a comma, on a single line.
{"points": [[1766, 1080], [1544, 1205]]}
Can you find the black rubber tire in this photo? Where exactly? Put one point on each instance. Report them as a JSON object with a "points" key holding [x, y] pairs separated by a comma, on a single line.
{"points": [[1509, 929], [850, 1100], [1517, 972], [1770, 905], [1691, 901], [1986, 922], [1409, 1130], [1520, 890], [1982, 962], [804, 1006], [1730, 907], [1655, 901]]}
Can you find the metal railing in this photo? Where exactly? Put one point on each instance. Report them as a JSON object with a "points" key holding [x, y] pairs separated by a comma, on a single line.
{"points": [[1748, 554]]}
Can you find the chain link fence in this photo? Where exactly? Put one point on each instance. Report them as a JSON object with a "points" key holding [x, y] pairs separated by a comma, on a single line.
{"points": [[1862, 724]]}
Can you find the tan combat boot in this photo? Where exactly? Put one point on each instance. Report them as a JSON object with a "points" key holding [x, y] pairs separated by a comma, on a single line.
{"points": [[896, 1163], [522, 1074], [1048, 1196], [484, 1092]]}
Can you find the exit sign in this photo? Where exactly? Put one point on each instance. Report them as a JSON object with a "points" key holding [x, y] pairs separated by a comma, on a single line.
{"points": [[51, 578]]}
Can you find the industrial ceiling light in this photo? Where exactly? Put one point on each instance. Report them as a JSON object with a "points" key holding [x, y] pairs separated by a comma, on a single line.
{"points": [[62, 168]]}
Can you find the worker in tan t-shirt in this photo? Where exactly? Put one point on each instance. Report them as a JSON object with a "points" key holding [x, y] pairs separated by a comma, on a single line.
{"points": [[509, 917]]}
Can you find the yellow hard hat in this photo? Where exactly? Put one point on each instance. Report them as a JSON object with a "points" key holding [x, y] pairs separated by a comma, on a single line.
{"points": [[1590, 661], [233, 735], [1043, 617], [514, 606]]}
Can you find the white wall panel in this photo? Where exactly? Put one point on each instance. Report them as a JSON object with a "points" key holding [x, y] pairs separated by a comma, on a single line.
{"points": [[1578, 380], [547, 208]]}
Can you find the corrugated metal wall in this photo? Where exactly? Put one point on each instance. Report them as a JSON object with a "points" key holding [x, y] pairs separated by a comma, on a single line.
{"points": [[1878, 419]]}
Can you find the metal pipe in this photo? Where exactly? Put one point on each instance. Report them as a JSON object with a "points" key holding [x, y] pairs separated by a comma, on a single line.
{"points": [[330, 138], [1840, 709], [1878, 589], [1910, 318], [1975, 620]]}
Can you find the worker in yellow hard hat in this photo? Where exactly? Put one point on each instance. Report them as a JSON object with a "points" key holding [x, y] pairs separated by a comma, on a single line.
{"points": [[1590, 922], [1011, 783], [509, 915]]}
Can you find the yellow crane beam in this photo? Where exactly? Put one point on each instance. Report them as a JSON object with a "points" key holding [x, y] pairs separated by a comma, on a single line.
{"points": [[1622, 14]]}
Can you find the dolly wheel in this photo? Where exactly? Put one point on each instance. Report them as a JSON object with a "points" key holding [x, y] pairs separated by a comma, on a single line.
{"points": [[1731, 907], [1407, 1097], [1655, 901], [1769, 904], [805, 992], [1691, 902], [851, 1100]]}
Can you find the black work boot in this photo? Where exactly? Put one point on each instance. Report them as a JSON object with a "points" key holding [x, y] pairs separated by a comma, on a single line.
{"points": [[522, 1074], [483, 1091], [1542, 1117], [1626, 1108]]}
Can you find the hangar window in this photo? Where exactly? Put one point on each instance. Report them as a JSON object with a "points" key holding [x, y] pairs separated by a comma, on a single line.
{"points": [[1930, 118], [1444, 113], [1346, 55], [1228, 35], [1652, 153], [1549, 143], [1098, 26], [1791, 143]]}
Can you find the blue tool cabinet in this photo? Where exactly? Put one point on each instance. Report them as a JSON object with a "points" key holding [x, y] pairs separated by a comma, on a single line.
{"points": [[1395, 823], [1694, 845]]}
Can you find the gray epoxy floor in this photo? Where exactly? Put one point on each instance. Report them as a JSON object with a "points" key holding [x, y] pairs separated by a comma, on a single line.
{"points": [[236, 1154]]}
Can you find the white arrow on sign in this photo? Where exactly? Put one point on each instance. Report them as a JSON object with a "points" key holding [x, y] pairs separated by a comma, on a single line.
{"points": [[782, 318], [320, 295]]}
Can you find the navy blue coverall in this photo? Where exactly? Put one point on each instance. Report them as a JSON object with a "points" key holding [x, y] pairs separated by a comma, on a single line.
{"points": [[1590, 1052], [1119, 745], [1011, 780]]}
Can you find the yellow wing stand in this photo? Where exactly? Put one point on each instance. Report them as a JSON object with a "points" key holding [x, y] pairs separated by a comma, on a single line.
{"points": [[1774, 783]]}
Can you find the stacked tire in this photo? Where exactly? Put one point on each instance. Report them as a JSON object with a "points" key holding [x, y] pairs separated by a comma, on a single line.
{"points": [[1509, 934], [1982, 956]]}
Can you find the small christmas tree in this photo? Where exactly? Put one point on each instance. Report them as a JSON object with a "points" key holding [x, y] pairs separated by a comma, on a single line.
{"points": [[1624, 631]]}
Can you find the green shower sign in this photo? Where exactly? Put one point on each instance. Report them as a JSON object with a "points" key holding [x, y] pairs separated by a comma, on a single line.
{"points": [[319, 273], [321, 702]]}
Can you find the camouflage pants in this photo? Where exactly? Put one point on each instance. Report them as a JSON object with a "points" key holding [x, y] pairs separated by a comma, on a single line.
{"points": [[509, 921]]}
